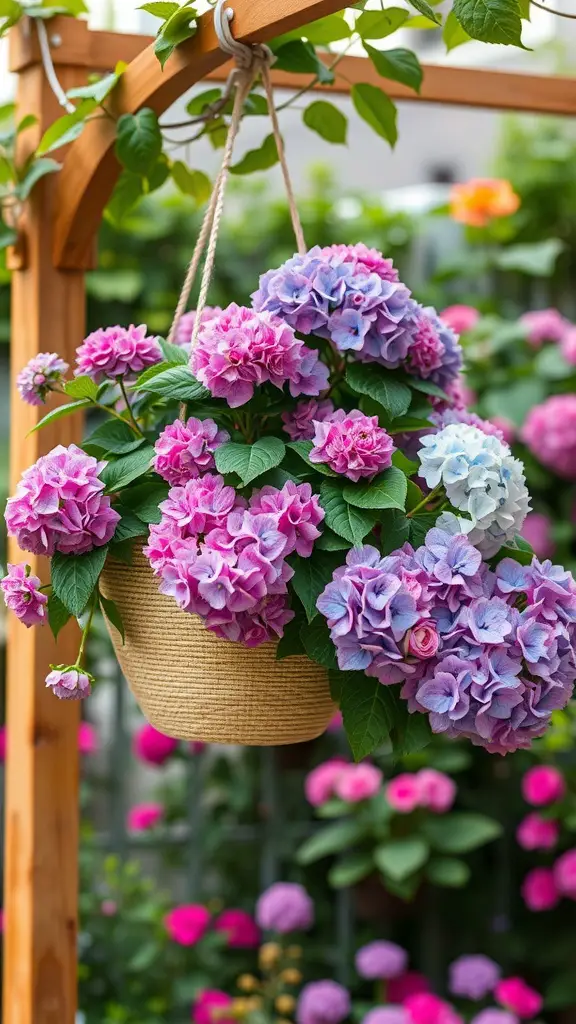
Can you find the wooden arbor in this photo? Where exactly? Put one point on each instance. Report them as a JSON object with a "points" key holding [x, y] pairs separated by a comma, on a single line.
{"points": [[56, 247]]}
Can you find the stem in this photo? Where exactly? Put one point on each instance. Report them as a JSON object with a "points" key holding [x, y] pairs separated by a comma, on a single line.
{"points": [[128, 406], [112, 412], [425, 501], [85, 631], [315, 80]]}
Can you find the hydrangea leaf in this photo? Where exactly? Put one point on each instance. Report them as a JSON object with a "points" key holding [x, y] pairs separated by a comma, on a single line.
{"points": [[385, 491], [58, 614], [173, 354], [379, 384], [60, 412], [303, 449], [350, 869], [394, 532], [127, 468], [81, 387], [75, 576], [317, 643], [368, 713], [291, 642], [129, 526], [178, 382], [332, 839], [250, 460], [491, 21], [424, 8], [400, 858], [112, 613], [144, 500], [351, 523], [330, 541], [311, 575], [114, 437]]}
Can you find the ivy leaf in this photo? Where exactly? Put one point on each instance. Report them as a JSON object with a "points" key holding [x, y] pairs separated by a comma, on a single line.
{"points": [[369, 379], [75, 576], [379, 24], [400, 858], [377, 109], [250, 460], [112, 613], [332, 839], [59, 413], [367, 713], [102, 88], [317, 643], [178, 382], [453, 34], [399, 65], [191, 183], [303, 449], [351, 523], [325, 119], [138, 141], [58, 615], [206, 98], [311, 575], [258, 159], [81, 387], [38, 169], [160, 8], [461, 831], [301, 58], [386, 491], [127, 468], [491, 21]]}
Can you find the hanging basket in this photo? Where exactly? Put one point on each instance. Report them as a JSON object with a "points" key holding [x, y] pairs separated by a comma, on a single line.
{"points": [[192, 685]]}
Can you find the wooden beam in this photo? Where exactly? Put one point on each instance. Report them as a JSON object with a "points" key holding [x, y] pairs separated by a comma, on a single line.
{"points": [[41, 806]]}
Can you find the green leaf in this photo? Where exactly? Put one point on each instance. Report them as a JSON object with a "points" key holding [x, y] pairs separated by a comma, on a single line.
{"points": [[7, 235], [67, 128], [392, 394], [303, 449], [127, 468], [173, 354], [377, 109], [538, 259], [491, 21], [192, 183], [138, 141], [461, 831], [401, 857], [327, 30], [81, 387], [130, 525], [10, 14], [59, 413], [178, 382], [427, 387], [112, 613], [327, 120], [330, 541], [145, 499], [290, 643], [425, 9], [301, 58], [38, 169], [367, 713], [411, 733], [394, 530], [453, 34], [100, 89], [331, 839], [128, 190], [350, 870], [515, 400], [181, 25], [202, 100], [250, 460], [75, 576], [551, 364], [114, 437], [258, 159], [399, 65], [160, 8], [448, 872], [379, 24], [317, 643], [311, 575], [351, 523], [58, 615], [385, 491], [561, 992], [419, 526]]}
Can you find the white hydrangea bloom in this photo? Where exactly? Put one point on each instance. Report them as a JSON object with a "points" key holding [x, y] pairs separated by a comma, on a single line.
{"points": [[482, 478]]}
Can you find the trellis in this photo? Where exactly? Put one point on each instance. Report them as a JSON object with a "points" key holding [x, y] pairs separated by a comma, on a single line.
{"points": [[55, 248]]}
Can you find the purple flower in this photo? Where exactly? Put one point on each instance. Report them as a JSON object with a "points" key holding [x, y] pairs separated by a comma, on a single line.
{"points": [[59, 505], [387, 1015], [186, 323], [200, 505], [112, 352], [473, 977], [381, 959], [298, 513], [323, 1002], [298, 422], [488, 620], [285, 907], [69, 682], [492, 1015], [186, 450], [23, 596], [40, 376], [452, 356], [352, 444]]}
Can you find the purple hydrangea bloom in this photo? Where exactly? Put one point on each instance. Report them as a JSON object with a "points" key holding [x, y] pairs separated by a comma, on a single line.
{"points": [[39, 377], [23, 596], [387, 1015], [381, 959], [494, 1015], [448, 416], [186, 450], [452, 356], [352, 444], [323, 1002], [187, 322], [298, 422], [59, 505], [69, 682], [112, 352], [473, 977], [285, 907]]}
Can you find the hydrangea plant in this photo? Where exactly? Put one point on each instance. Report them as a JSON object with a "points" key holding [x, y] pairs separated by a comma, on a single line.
{"points": [[308, 475]]}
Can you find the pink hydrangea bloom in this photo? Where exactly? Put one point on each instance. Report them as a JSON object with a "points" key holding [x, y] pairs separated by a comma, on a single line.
{"points": [[320, 782], [411, 983], [241, 349], [544, 325], [568, 345], [210, 1008], [426, 1008], [437, 790], [352, 444], [473, 976], [403, 793], [362, 259], [426, 351], [422, 640], [518, 997], [542, 785], [336, 723], [386, 1015], [186, 450], [505, 428], [186, 323], [143, 817], [537, 530], [23, 596], [59, 505], [200, 505], [460, 318], [491, 1015], [298, 422], [285, 907], [550, 433], [565, 874], [39, 377], [323, 1002], [539, 889], [152, 746], [239, 927], [537, 833], [460, 396], [381, 960], [358, 782], [87, 738], [187, 924], [112, 352], [68, 682], [298, 513]]}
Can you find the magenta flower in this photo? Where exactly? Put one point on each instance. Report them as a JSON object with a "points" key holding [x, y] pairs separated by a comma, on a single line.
{"points": [[186, 450], [460, 318], [320, 782], [323, 1002], [544, 325], [537, 833], [543, 785], [40, 376], [473, 977], [187, 924], [423, 640], [381, 960], [200, 505], [23, 596], [186, 324], [515, 995], [112, 352], [211, 1007], [352, 444], [565, 874], [537, 530], [550, 433], [426, 1008], [411, 983], [152, 746], [426, 351], [298, 422], [87, 738], [68, 682], [143, 817], [358, 782], [437, 790], [539, 890], [285, 907], [297, 512], [403, 793], [59, 505], [240, 928]]}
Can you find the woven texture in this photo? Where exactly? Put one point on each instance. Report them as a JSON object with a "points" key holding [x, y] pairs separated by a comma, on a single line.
{"points": [[192, 685]]}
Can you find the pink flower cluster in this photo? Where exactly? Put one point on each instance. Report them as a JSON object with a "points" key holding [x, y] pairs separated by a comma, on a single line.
{"points": [[241, 349], [187, 925], [40, 376], [112, 352], [59, 505], [537, 530], [427, 788], [460, 318], [23, 596], [550, 433], [186, 450], [227, 563], [187, 322], [211, 1006], [543, 785], [285, 907], [69, 682], [299, 422], [144, 817], [336, 778], [352, 444], [152, 746], [426, 351], [537, 833], [518, 997], [544, 887], [544, 325]]}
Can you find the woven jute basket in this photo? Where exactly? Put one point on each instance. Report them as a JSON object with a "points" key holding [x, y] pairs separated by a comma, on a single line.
{"points": [[192, 685]]}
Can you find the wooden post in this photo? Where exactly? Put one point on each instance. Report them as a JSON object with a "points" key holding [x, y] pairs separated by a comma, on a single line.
{"points": [[42, 810]]}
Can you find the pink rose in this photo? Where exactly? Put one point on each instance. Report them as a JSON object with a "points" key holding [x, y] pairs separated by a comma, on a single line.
{"points": [[240, 928], [404, 793], [437, 790], [460, 318], [565, 874], [143, 817], [153, 746], [210, 1006], [187, 924], [543, 785], [320, 782], [423, 640], [358, 782], [515, 995], [537, 833], [539, 890]]}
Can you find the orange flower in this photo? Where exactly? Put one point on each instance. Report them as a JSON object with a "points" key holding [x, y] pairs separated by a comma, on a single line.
{"points": [[478, 201]]}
